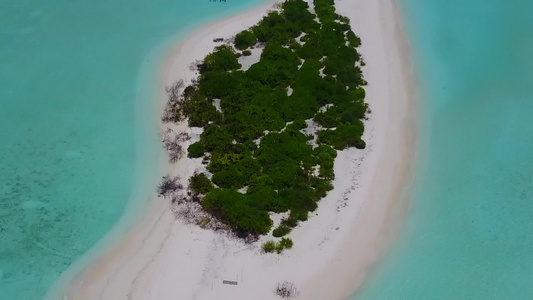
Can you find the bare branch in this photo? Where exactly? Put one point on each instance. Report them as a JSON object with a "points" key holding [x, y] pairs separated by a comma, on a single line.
{"points": [[174, 145], [174, 90], [169, 185], [195, 65], [173, 111], [286, 290]]}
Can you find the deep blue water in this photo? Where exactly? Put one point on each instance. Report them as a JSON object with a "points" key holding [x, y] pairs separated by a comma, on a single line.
{"points": [[469, 229], [77, 124]]}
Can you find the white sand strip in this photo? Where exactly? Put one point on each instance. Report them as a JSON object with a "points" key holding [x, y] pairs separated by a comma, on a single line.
{"points": [[378, 204], [160, 258]]}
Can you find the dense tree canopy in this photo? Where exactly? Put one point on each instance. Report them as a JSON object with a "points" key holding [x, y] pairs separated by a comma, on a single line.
{"points": [[256, 148], [244, 40]]}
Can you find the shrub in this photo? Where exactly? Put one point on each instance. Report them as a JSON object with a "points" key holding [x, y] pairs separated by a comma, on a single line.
{"points": [[286, 243], [244, 39], [354, 40], [343, 136], [291, 222], [216, 138], [269, 27], [218, 84], [232, 207], [196, 150], [222, 59], [360, 144], [199, 110], [200, 184], [259, 182], [298, 124], [276, 52], [228, 178], [302, 213], [298, 14], [246, 52], [322, 186], [234, 170], [269, 247], [271, 73], [281, 230], [266, 198]]}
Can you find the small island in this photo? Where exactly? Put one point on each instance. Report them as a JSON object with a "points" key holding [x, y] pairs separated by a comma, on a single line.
{"points": [[274, 105], [264, 114]]}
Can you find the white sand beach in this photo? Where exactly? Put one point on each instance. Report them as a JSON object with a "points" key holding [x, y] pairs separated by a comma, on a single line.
{"points": [[161, 258]]}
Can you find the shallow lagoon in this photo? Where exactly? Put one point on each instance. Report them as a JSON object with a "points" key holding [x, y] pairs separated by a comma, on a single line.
{"points": [[77, 123], [468, 232]]}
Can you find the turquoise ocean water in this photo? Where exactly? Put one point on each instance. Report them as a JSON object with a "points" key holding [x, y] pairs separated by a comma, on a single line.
{"points": [[75, 86], [469, 228], [77, 123]]}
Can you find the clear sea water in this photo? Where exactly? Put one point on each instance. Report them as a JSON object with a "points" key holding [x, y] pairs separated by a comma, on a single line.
{"points": [[469, 229], [77, 123], [75, 89]]}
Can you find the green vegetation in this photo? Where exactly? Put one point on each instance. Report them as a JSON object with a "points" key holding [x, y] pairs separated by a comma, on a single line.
{"points": [[343, 136], [271, 246], [257, 142], [234, 209], [200, 184], [244, 40], [196, 150], [286, 243], [222, 59], [281, 230]]}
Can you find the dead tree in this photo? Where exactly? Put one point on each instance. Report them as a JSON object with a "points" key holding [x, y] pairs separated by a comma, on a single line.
{"points": [[174, 90], [175, 153], [188, 92], [286, 290], [169, 185], [195, 64], [174, 145], [173, 111]]}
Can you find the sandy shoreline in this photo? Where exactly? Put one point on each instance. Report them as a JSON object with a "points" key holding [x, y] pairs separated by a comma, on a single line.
{"points": [[161, 258]]}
